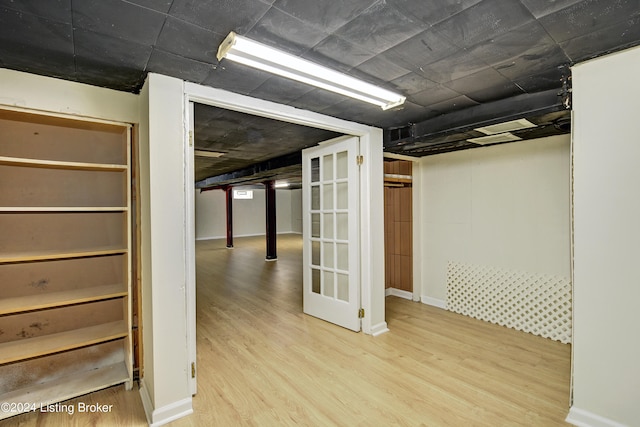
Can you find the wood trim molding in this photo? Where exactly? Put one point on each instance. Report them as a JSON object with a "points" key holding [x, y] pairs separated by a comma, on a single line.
{"points": [[440, 303], [581, 418], [160, 416], [399, 293]]}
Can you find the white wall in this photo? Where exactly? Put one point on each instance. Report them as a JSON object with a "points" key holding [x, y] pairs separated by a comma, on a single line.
{"points": [[248, 215], [606, 157], [26, 90], [296, 211], [504, 206]]}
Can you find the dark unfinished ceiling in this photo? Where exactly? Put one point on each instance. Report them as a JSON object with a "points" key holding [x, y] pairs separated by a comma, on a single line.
{"points": [[461, 63]]}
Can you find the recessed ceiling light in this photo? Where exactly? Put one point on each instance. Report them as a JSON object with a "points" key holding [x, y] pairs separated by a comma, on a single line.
{"points": [[494, 139], [254, 54], [205, 153], [506, 127]]}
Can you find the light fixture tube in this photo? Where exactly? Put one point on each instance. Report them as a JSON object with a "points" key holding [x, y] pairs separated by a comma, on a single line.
{"points": [[251, 53]]}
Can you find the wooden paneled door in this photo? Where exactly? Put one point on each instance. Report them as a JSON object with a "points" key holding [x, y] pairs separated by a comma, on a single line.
{"points": [[398, 225]]}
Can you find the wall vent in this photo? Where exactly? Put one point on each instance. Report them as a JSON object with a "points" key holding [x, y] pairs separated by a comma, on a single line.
{"points": [[534, 303]]}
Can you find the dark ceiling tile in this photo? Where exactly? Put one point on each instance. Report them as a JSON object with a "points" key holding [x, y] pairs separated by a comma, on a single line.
{"points": [[453, 104], [432, 96], [282, 31], [355, 110], [550, 79], [485, 20], [317, 99], [412, 83], [190, 41], [433, 11], [177, 66], [118, 19], [403, 115], [110, 50], [159, 5], [420, 50], [221, 16], [381, 69], [327, 14], [281, 90], [380, 27], [235, 77], [540, 8], [524, 40], [38, 61], [342, 55], [53, 10], [210, 131], [485, 86], [265, 124], [27, 31], [453, 67], [588, 16], [109, 61], [534, 61], [108, 76], [203, 113], [621, 35]]}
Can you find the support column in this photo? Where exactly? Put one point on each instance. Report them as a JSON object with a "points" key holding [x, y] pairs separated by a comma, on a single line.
{"points": [[229, 197], [270, 203]]}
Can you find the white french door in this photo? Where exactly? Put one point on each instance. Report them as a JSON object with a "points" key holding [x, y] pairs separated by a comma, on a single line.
{"points": [[331, 252]]}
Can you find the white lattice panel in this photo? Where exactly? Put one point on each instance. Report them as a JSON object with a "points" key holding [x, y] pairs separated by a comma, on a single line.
{"points": [[533, 303]]}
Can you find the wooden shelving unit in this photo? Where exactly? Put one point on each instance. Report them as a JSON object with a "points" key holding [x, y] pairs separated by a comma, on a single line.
{"points": [[59, 299], [65, 264]]}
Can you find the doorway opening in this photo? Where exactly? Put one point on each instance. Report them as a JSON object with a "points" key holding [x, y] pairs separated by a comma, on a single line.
{"points": [[372, 291]]}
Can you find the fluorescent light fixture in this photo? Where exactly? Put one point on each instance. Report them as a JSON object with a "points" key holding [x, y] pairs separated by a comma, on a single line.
{"points": [[205, 153], [282, 184], [248, 52]]}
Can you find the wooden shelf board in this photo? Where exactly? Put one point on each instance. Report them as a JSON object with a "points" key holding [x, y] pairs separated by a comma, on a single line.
{"points": [[55, 164], [67, 387], [63, 209], [45, 256], [13, 351], [62, 298], [398, 180]]}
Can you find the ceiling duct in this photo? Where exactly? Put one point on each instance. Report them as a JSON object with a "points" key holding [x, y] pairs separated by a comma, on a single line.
{"points": [[506, 127], [495, 139]]}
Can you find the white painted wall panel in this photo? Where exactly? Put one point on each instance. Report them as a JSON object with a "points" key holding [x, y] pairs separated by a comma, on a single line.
{"points": [[296, 211], [606, 151], [248, 215], [505, 206]]}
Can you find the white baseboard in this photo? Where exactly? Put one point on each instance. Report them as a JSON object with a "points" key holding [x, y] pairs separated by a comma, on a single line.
{"points": [[211, 238], [440, 303], [398, 293], [379, 329], [166, 414], [581, 418]]}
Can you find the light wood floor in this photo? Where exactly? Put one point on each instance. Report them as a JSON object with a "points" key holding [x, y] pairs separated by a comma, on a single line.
{"points": [[263, 363]]}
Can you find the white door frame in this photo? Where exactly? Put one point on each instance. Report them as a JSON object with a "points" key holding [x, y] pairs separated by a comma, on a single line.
{"points": [[372, 208]]}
